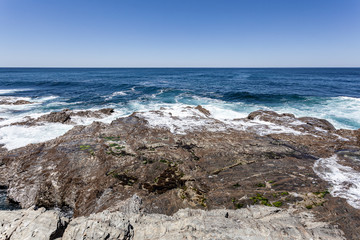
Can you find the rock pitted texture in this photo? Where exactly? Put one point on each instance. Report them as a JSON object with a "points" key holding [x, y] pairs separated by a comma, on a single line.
{"points": [[31, 224], [250, 223], [257, 222], [104, 225], [201, 163]]}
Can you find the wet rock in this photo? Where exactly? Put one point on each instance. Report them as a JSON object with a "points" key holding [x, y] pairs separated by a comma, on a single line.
{"points": [[56, 117], [320, 123], [268, 115], [107, 111], [21, 102], [203, 110], [65, 116], [17, 102]]}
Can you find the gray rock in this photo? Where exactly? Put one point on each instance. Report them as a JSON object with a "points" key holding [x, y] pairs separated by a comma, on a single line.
{"points": [[257, 222], [253, 223], [104, 225], [31, 224]]}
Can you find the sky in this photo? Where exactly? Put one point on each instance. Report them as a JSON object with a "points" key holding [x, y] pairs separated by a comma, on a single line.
{"points": [[180, 33]]}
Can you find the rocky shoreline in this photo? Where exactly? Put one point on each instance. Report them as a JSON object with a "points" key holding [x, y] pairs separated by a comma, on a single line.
{"points": [[190, 172], [256, 222]]}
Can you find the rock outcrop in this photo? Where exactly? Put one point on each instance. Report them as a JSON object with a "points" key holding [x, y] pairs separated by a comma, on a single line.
{"points": [[65, 116], [17, 102], [266, 159], [31, 224], [256, 222]]}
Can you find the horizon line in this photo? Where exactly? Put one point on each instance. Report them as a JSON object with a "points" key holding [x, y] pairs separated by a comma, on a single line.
{"points": [[99, 67]]}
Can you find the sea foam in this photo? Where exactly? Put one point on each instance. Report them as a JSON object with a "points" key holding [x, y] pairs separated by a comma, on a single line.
{"points": [[344, 180], [19, 136]]}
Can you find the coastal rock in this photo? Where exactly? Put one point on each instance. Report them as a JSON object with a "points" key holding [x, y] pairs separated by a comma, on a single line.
{"points": [[203, 110], [104, 225], [320, 123], [268, 115], [251, 223], [17, 102], [265, 159], [56, 117], [288, 118], [256, 222], [31, 224], [65, 116]]}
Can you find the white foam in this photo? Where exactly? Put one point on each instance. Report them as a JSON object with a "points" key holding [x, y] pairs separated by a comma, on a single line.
{"points": [[180, 119], [21, 107], [54, 104], [14, 99], [19, 136], [345, 181], [45, 99], [19, 118], [224, 112], [349, 98], [8, 91], [119, 93], [342, 112], [78, 120]]}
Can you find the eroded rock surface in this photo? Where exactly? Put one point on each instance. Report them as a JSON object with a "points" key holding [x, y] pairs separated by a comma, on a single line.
{"points": [[265, 159], [256, 222], [31, 224]]}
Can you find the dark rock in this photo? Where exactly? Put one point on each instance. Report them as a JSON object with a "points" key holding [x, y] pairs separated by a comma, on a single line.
{"points": [[268, 115], [321, 123], [96, 167], [17, 102], [203, 110], [56, 117], [65, 115], [21, 102]]}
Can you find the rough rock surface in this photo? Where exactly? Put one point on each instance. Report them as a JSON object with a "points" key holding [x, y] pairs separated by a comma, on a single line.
{"points": [[256, 222], [265, 159], [251, 223], [31, 224]]}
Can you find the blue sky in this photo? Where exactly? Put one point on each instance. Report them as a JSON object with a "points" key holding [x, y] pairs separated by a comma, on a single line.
{"points": [[180, 33]]}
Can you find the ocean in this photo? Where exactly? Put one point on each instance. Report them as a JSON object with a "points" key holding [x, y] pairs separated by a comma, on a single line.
{"points": [[329, 93]]}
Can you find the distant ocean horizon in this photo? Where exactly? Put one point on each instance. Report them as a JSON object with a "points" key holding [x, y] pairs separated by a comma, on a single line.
{"points": [[228, 93]]}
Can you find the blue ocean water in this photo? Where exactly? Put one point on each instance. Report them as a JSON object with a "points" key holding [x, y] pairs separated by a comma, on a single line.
{"points": [[330, 93]]}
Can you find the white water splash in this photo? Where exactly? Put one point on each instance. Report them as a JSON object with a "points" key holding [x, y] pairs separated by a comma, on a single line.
{"points": [[7, 91], [345, 181], [19, 136], [180, 119]]}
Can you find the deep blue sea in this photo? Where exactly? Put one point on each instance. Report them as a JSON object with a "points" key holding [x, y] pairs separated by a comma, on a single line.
{"points": [[330, 93]]}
